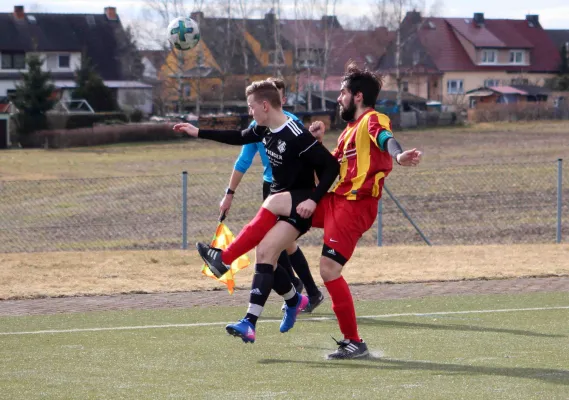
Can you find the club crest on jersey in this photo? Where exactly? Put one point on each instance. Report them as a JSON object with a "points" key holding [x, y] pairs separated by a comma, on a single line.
{"points": [[281, 146]]}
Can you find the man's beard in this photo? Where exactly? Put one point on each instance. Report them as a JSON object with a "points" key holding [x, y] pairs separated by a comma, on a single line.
{"points": [[348, 114]]}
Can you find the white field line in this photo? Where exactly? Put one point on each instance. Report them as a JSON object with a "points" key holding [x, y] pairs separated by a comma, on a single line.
{"points": [[200, 324]]}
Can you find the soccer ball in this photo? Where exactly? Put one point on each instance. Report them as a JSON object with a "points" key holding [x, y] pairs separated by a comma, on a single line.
{"points": [[183, 33]]}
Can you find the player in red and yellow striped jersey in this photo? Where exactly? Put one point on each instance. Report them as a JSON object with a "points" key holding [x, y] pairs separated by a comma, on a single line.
{"points": [[365, 151]]}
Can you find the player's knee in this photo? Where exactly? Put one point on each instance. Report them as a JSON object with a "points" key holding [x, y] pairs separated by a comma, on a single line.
{"points": [[266, 253], [330, 269]]}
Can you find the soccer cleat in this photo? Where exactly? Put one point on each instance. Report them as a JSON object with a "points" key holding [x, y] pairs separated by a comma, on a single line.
{"points": [[243, 329], [349, 349], [314, 302], [212, 258], [299, 288], [289, 317]]}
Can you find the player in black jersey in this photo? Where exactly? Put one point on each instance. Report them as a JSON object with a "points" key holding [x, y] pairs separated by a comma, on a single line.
{"points": [[295, 156]]}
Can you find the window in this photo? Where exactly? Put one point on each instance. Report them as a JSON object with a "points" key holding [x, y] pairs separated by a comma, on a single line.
{"points": [[186, 89], [314, 86], [308, 58], [455, 86], [520, 81], [405, 86], [64, 61], [489, 56], [11, 93], [276, 57], [491, 82], [516, 57], [13, 60], [416, 58]]}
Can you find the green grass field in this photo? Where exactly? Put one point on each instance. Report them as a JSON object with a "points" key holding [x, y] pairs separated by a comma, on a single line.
{"points": [[447, 347]]}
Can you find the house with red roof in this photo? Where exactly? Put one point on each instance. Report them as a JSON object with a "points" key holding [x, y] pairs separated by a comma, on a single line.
{"points": [[444, 58]]}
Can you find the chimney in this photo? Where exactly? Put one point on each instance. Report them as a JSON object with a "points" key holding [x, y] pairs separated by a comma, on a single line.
{"points": [[412, 17], [111, 13], [19, 13], [331, 21], [478, 19], [533, 20], [197, 16]]}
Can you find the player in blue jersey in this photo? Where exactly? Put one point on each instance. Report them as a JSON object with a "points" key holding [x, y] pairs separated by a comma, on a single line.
{"points": [[292, 257]]}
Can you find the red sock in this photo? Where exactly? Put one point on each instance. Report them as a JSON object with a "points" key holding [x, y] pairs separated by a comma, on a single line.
{"points": [[343, 307], [250, 236]]}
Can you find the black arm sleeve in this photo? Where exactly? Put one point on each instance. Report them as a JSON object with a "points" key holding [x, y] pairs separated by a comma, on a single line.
{"points": [[393, 147], [234, 137], [326, 167]]}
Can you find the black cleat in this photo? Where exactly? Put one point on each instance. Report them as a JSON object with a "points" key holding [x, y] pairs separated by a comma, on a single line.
{"points": [[212, 258], [314, 301], [348, 350]]}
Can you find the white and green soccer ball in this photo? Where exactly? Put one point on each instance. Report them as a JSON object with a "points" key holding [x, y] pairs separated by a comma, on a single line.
{"points": [[183, 33]]}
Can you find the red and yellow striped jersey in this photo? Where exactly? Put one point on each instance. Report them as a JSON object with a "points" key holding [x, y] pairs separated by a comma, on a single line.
{"points": [[363, 165]]}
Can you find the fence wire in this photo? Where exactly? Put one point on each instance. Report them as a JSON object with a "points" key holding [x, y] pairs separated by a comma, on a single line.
{"points": [[479, 204]]}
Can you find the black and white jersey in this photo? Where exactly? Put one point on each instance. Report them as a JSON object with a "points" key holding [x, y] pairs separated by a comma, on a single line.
{"points": [[295, 155]]}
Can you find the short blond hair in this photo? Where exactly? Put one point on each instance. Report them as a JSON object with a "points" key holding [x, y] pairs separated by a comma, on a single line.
{"points": [[264, 91]]}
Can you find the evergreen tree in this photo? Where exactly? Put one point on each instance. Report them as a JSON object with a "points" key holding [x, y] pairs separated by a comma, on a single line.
{"points": [[563, 80], [90, 87], [131, 60], [33, 97]]}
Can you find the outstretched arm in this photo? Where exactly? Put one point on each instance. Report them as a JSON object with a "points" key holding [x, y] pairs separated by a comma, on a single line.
{"points": [[408, 158], [235, 137]]}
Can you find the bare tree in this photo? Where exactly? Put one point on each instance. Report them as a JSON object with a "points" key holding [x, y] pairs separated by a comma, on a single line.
{"points": [[391, 14], [245, 10], [329, 27]]}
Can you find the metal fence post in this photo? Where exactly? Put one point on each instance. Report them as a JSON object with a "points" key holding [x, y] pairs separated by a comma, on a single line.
{"points": [[398, 204], [185, 210], [559, 196], [380, 223]]}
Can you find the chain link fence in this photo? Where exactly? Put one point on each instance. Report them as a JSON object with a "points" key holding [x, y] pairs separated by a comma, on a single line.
{"points": [[478, 204]]}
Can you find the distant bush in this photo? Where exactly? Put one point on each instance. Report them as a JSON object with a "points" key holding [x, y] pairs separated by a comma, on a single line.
{"points": [[74, 121], [103, 134], [136, 116]]}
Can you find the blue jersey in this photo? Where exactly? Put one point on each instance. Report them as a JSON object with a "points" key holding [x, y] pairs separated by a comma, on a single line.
{"points": [[248, 152]]}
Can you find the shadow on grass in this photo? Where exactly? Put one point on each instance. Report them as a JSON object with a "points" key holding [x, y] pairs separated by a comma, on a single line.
{"points": [[556, 376], [386, 323]]}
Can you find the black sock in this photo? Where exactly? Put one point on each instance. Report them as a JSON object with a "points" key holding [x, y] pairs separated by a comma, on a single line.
{"points": [[284, 262], [301, 268], [260, 291], [283, 286]]}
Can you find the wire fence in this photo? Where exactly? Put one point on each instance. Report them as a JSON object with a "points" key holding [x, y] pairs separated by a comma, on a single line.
{"points": [[478, 204]]}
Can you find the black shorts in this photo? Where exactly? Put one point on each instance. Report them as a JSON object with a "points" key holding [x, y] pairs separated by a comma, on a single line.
{"points": [[301, 224], [266, 189]]}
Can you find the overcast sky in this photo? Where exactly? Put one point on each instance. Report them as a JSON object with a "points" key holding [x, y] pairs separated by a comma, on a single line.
{"points": [[553, 14]]}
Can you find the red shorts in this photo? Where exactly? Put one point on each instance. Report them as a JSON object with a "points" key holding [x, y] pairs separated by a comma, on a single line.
{"points": [[344, 222]]}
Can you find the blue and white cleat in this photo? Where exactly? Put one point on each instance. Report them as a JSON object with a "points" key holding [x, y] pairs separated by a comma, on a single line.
{"points": [[290, 313], [243, 329]]}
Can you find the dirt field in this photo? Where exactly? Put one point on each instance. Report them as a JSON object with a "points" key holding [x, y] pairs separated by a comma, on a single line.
{"points": [[104, 273]]}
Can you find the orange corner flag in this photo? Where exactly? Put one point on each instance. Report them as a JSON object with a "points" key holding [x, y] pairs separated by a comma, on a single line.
{"points": [[222, 238]]}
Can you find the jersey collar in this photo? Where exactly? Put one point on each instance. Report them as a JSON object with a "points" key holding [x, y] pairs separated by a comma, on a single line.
{"points": [[280, 128], [353, 123]]}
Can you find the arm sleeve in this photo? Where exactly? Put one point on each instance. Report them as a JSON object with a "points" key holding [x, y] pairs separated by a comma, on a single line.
{"points": [[393, 147], [234, 137], [379, 128], [245, 158], [325, 165]]}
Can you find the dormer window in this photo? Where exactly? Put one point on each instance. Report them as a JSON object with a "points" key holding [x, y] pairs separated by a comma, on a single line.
{"points": [[64, 61], [516, 57], [489, 57]]}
